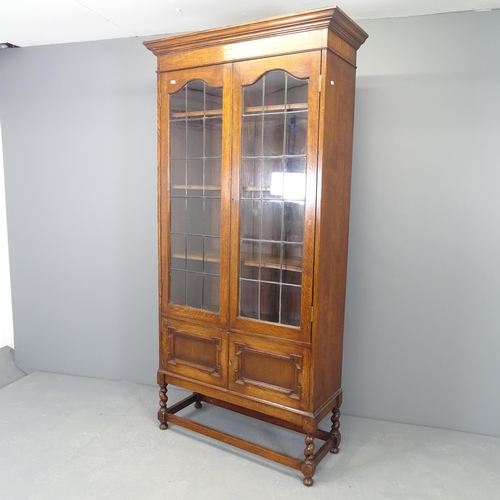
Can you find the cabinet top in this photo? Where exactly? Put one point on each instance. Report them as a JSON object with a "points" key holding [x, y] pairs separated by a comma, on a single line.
{"points": [[322, 21]]}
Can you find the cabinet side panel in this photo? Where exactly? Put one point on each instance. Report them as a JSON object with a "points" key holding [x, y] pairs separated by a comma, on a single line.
{"points": [[334, 185]]}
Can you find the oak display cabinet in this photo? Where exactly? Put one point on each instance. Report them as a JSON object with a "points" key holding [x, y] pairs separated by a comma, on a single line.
{"points": [[255, 126]]}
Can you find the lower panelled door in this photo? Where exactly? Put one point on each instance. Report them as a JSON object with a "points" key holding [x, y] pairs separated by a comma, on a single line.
{"points": [[269, 370], [196, 351]]}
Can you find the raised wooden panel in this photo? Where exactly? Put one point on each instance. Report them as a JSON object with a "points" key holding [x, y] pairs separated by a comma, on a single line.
{"points": [[184, 348], [195, 351], [269, 370]]}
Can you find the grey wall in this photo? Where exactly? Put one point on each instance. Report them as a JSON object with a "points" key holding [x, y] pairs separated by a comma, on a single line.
{"points": [[422, 324], [79, 133], [422, 337]]}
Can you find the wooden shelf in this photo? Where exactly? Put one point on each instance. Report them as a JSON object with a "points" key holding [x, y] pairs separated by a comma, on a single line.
{"points": [[196, 187], [255, 189], [302, 106], [196, 114], [269, 262], [290, 264], [210, 256]]}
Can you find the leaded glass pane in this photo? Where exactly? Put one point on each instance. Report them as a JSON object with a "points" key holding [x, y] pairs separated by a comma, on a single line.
{"points": [[272, 197], [195, 151]]}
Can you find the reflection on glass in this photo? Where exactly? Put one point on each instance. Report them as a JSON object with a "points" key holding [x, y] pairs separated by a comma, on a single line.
{"points": [[273, 134], [272, 197], [178, 244], [213, 134], [251, 136], [195, 151], [178, 140], [194, 289], [296, 131], [212, 177], [211, 287]]}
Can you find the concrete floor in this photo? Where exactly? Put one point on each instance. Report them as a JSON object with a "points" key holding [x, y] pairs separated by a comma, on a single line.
{"points": [[64, 437], [9, 372]]}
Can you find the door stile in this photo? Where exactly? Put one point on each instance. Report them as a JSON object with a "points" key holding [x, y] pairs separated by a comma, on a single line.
{"points": [[225, 230]]}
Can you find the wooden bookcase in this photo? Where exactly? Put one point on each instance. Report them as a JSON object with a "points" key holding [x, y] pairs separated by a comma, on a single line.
{"points": [[255, 126]]}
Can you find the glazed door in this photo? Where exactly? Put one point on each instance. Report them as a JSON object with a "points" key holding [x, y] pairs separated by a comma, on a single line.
{"points": [[275, 122], [194, 181]]}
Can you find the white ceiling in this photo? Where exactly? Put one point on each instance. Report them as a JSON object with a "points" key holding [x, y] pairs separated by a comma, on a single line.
{"points": [[42, 22]]}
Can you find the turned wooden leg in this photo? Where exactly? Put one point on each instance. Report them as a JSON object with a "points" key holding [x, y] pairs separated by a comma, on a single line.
{"points": [[197, 403], [308, 467], [335, 433], [162, 412]]}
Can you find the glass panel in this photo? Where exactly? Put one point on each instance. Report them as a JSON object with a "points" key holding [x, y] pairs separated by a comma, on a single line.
{"points": [[178, 215], [212, 217], [297, 91], [272, 215], [269, 302], [195, 177], [194, 138], [292, 263], [178, 103], [292, 277], [296, 132], [290, 305], [178, 251], [211, 293], [212, 177], [195, 96], [296, 165], [177, 287], [274, 90], [251, 143], [213, 99], [211, 255], [249, 299], [250, 219], [274, 131], [251, 177], [194, 216], [194, 290], [213, 137], [178, 139], [178, 177], [272, 197], [194, 253], [271, 170], [250, 259], [271, 262], [293, 227], [253, 98], [195, 195]]}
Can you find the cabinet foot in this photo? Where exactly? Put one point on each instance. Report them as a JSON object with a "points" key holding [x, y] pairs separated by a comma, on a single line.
{"points": [[162, 412], [197, 403], [308, 467], [335, 433]]}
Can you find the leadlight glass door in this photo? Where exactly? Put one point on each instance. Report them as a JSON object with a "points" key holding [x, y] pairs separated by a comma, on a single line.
{"points": [[274, 183], [198, 193]]}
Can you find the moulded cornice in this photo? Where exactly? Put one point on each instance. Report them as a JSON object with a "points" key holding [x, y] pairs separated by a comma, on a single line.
{"points": [[332, 18]]}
